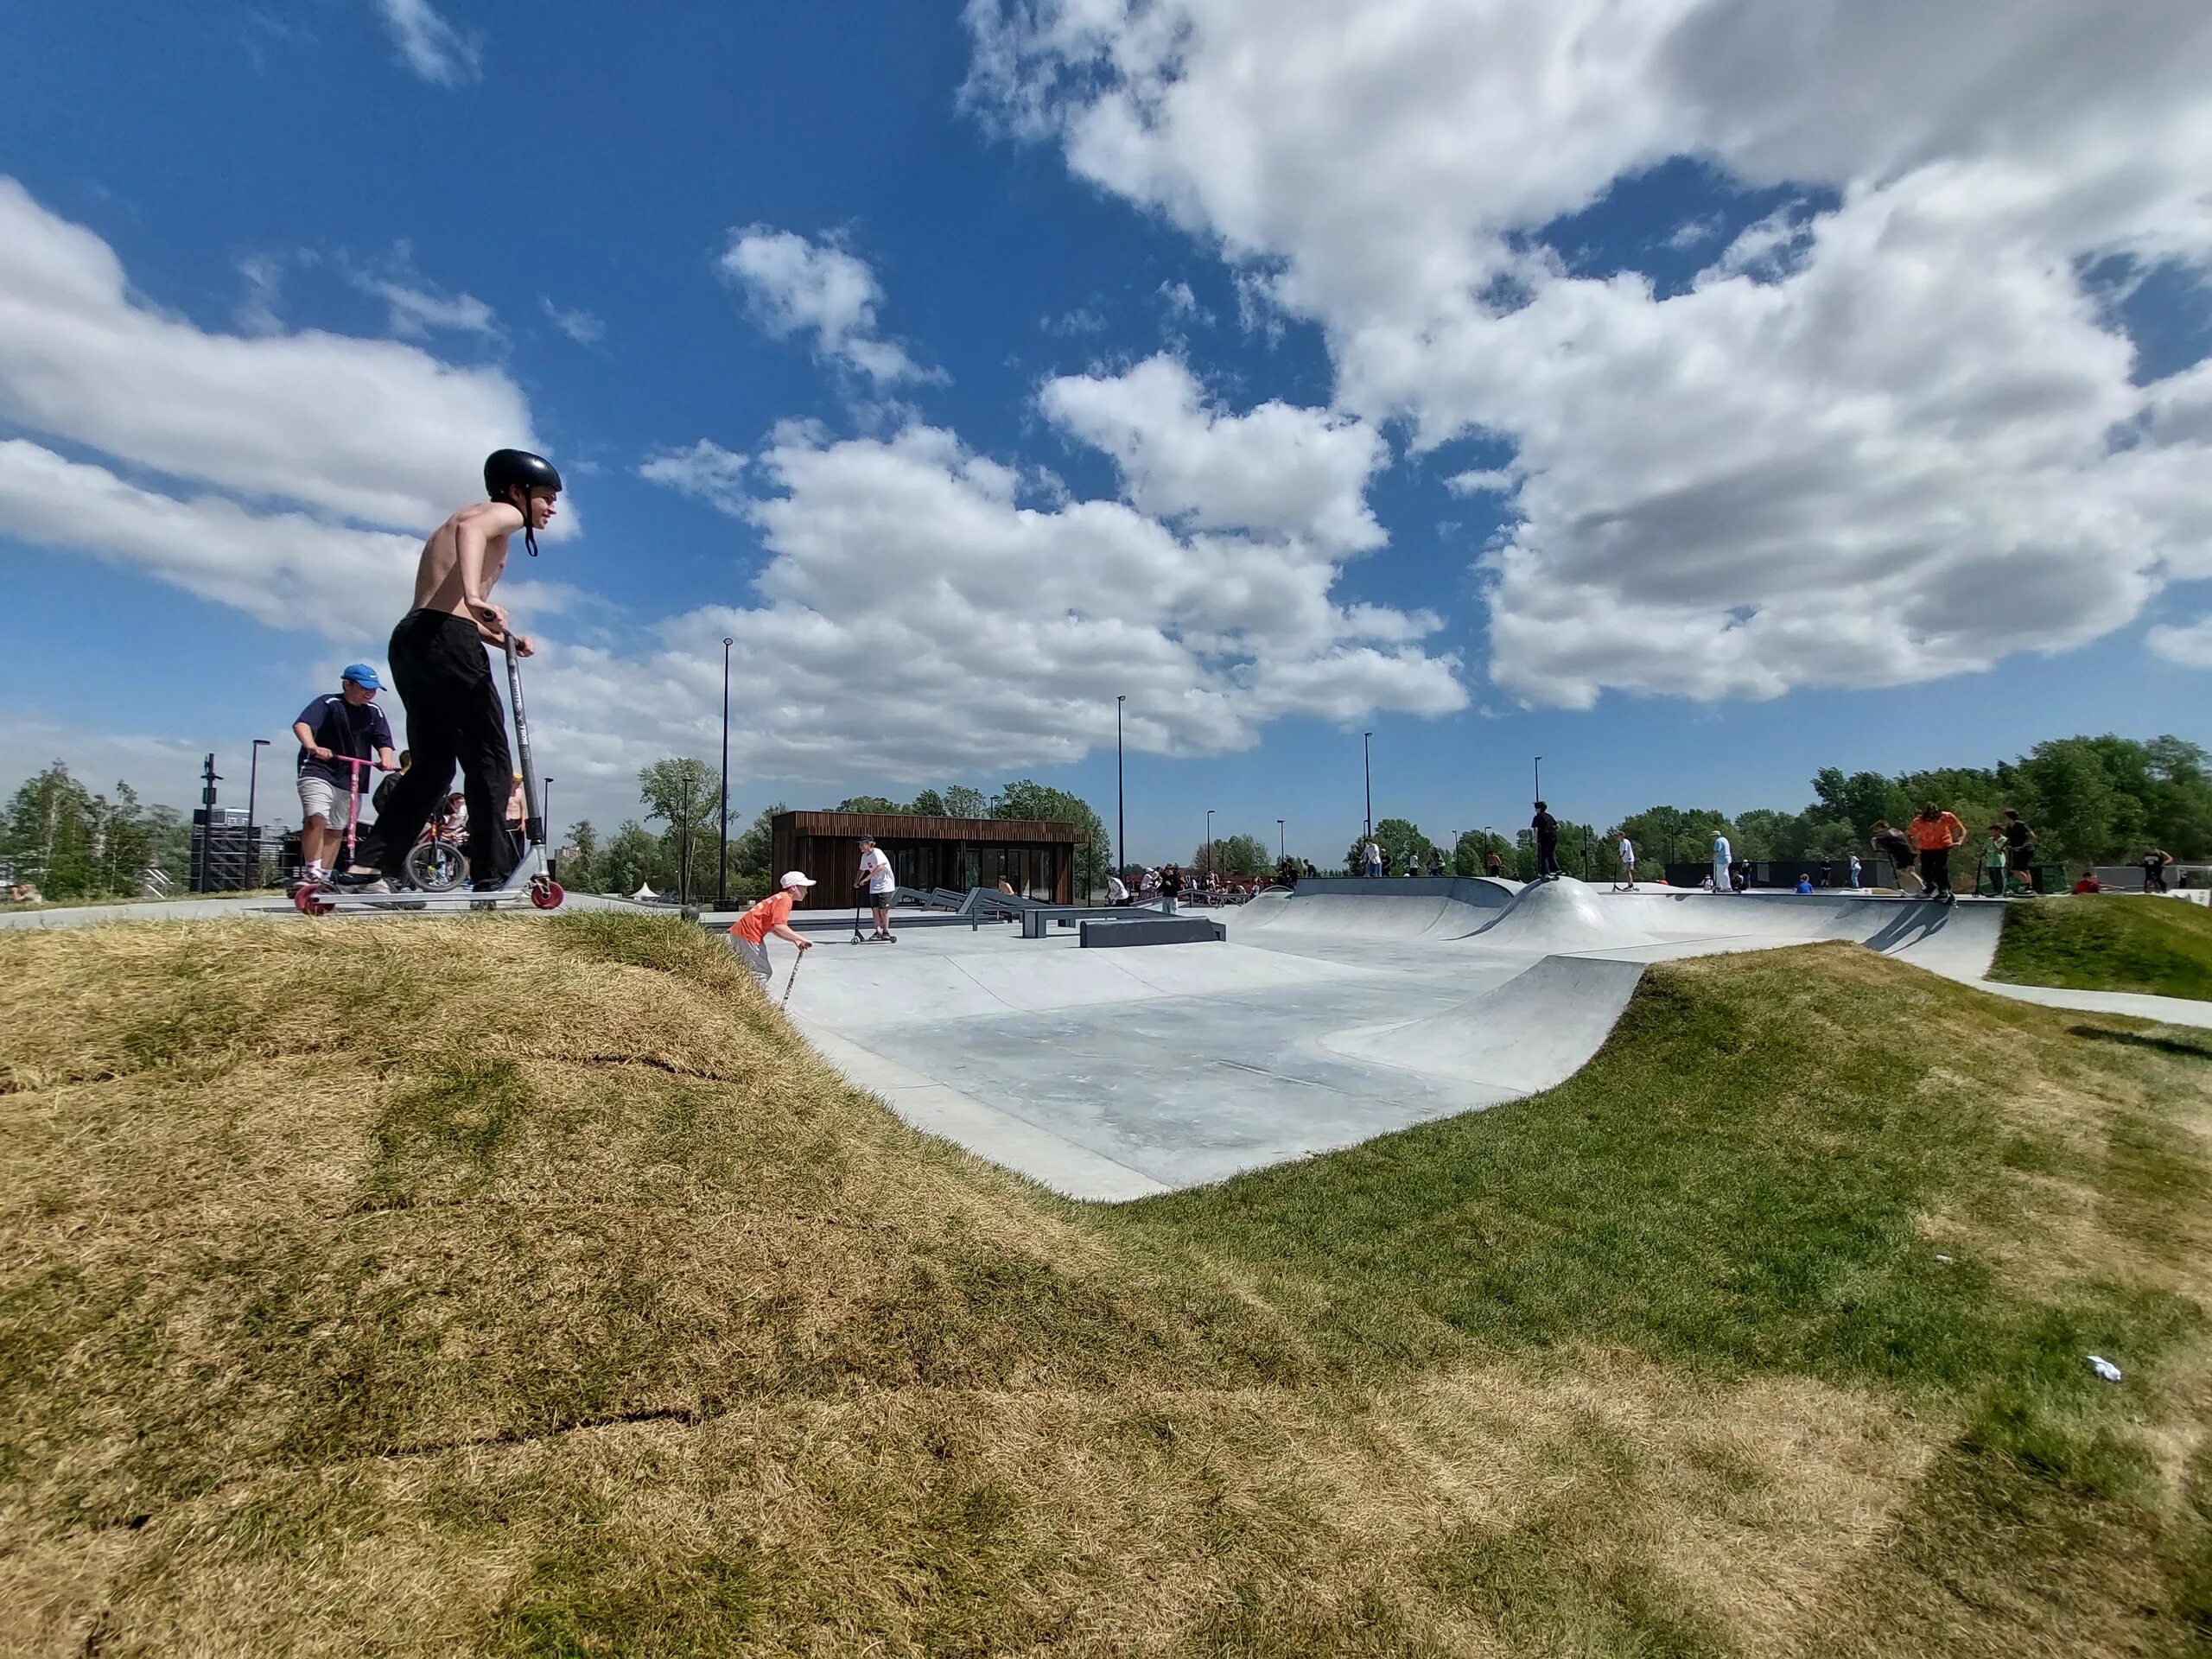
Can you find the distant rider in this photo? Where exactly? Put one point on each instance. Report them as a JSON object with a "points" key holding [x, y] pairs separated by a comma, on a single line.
{"points": [[1546, 830]]}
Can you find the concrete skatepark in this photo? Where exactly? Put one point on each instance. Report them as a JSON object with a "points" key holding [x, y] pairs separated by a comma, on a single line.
{"points": [[1329, 1015], [1342, 1011]]}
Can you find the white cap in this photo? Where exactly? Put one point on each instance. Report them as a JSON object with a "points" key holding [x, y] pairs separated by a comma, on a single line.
{"points": [[796, 879]]}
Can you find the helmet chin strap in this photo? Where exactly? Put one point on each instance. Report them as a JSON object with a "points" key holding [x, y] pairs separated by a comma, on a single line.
{"points": [[528, 530]]}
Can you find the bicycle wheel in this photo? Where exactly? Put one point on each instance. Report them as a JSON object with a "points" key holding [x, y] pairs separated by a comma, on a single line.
{"points": [[436, 865]]}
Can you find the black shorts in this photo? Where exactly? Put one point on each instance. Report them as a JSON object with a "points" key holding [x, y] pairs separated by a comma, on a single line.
{"points": [[2019, 858]]}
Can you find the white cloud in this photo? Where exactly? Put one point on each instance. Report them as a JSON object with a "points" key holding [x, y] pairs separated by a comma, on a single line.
{"points": [[429, 45], [287, 570], [707, 470], [1182, 304], [1874, 444], [793, 286], [922, 614], [578, 325], [1278, 470], [416, 309], [373, 431], [2190, 646]]}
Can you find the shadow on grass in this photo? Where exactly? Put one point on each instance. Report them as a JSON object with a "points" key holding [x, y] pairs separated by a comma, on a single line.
{"points": [[2175, 1045]]}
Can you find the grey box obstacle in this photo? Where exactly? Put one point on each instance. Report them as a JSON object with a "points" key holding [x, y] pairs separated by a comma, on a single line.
{"points": [[1150, 929]]}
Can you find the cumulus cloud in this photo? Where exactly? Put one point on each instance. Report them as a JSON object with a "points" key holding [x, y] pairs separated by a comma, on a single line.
{"points": [[379, 431], [287, 569], [1275, 471], [1886, 437], [911, 578], [429, 45], [706, 470], [794, 286]]}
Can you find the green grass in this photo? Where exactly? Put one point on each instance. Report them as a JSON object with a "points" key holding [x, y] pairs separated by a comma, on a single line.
{"points": [[350, 1301], [2108, 942]]}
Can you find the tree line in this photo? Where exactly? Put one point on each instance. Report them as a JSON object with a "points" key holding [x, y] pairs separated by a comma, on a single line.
{"points": [[72, 843], [2091, 800]]}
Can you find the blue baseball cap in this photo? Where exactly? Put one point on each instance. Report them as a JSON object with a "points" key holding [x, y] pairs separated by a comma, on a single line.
{"points": [[363, 675]]}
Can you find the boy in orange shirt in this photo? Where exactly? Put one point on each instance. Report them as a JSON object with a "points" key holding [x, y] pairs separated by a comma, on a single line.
{"points": [[1933, 833], [748, 934]]}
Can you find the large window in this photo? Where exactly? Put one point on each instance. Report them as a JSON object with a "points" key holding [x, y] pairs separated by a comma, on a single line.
{"points": [[1030, 871]]}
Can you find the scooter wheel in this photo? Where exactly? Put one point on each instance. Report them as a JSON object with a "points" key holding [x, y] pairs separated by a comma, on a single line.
{"points": [[547, 893], [305, 899]]}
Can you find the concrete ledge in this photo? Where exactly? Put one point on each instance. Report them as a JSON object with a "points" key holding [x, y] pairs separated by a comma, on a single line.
{"points": [[1151, 929]]}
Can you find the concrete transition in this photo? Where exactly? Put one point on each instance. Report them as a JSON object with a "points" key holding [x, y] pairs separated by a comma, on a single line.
{"points": [[1332, 1015], [1329, 1016]]}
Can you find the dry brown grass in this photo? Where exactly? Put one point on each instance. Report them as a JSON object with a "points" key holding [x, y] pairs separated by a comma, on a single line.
{"points": [[431, 1287]]}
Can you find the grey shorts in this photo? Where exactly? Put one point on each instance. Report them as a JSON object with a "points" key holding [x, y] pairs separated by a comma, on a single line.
{"points": [[321, 799], [754, 957]]}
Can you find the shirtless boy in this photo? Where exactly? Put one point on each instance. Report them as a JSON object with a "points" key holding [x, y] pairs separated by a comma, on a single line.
{"points": [[443, 674]]}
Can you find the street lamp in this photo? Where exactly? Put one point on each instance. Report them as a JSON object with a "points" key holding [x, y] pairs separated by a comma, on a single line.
{"points": [[1540, 777], [1367, 771], [545, 813], [1282, 846], [721, 867], [1210, 841], [1121, 818], [252, 781]]}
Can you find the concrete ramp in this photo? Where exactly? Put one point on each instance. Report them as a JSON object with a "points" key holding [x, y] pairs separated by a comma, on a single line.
{"points": [[1408, 907], [1532, 1032], [1563, 914]]}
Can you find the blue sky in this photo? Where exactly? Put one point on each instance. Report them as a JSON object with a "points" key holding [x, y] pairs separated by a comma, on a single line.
{"points": [[1791, 427]]}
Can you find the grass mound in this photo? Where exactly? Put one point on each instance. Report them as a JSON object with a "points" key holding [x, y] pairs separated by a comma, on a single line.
{"points": [[2109, 943], [513, 1287]]}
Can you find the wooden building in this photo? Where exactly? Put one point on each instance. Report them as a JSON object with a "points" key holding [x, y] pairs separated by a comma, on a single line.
{"points": [[1037, 858]]}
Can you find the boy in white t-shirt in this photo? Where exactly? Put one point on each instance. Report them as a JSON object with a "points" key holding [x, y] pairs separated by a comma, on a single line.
{"points": [[1627, 851], [875, 875]]}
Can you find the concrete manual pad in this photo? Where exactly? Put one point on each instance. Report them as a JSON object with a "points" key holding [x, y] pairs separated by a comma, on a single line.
{"points": [[1342, 1011]]}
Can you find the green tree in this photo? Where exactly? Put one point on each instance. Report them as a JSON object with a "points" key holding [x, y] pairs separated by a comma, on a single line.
{"points": [[876, 803], [49, 837], [928, 804], [1400, 840], [963, 802], [580, 870], [1471, 853], [1235, 856], [681, 794], [750, 855], [634, 858], [1025, 798]]}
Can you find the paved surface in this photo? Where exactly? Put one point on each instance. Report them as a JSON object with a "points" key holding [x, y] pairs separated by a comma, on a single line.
{"points": [[1329, 1016], [1341, 1012]]}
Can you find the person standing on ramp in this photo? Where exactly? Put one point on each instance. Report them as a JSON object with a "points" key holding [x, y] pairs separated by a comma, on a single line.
{"points": [[875, 876], [1546, 830], [1933, 833], [443, 674], [1723, 856], [748, 934]]}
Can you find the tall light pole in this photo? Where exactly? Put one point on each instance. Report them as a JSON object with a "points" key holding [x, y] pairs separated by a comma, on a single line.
{"points": [[252, 781], [1540, 777], [1121, 818], [721, 867], [1282, 844], [1367, 770], [1209, 841], [545, 813]]}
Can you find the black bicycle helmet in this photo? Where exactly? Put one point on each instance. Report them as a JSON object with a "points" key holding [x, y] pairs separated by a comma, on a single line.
{"points": [[517, 469]]}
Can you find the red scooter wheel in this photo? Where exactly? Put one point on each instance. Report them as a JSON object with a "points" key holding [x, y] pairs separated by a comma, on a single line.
{"points": [[547, 893], [305, 900]]}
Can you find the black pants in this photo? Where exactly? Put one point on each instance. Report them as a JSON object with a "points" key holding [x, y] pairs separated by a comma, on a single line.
{"points": [[1547, 858], [443, 674], [1935, 868]]}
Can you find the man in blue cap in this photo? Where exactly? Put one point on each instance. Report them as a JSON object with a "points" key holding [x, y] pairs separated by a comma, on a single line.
{"points": [[334, 729]]}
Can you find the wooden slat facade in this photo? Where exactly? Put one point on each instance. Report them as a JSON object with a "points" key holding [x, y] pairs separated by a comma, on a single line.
{"points": [[1036, 855]]}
